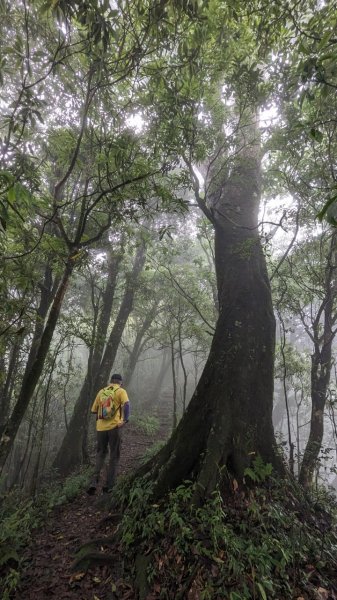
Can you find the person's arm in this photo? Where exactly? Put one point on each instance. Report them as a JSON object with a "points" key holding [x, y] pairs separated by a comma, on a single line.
{"points": [[125, 404], [126, 411]]}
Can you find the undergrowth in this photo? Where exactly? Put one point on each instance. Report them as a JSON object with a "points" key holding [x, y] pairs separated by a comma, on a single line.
{"points": [[149, 424], [271, 542], [20, 515], [152, 451]]}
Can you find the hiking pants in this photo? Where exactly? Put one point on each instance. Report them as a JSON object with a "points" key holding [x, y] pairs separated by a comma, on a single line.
{"points": [[113, 439]]}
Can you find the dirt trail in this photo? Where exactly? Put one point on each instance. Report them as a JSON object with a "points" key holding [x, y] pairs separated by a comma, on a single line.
{"points": [[47, 572]]}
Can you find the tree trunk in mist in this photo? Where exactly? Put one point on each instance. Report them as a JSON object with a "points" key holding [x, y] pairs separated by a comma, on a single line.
{"points": [[321, 365], [153, 398], [31, 376], [5, 396], [71, 452], [138, 346], [107, 363], [174, 383], [182, 362], [291, 444], [48, 290], [40, 456], [229, 418]]}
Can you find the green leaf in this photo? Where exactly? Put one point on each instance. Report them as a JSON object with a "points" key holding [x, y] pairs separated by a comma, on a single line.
{"points": [[316, 134], [326, 37], [8, 553], [262, 591], [11, 195], [250, 473]]}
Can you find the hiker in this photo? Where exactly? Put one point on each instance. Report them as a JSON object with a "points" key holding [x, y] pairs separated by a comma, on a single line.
{"points": [[111, 407]]}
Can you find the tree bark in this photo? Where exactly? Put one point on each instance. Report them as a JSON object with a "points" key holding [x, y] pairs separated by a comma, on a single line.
{"points": [[31, 376], [48, 290], [125, 309], [229, 418], [181, 358], [154, 394], [5, 395], [321, 365], [174, 383], [138, 346], [71, 452]]}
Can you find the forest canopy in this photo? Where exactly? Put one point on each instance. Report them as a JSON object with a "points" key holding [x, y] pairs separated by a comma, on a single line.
{"points": [[168, 205], [168, 211]]}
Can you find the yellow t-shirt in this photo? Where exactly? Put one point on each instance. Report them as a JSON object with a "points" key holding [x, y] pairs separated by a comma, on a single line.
{"points": [[119, 398]]}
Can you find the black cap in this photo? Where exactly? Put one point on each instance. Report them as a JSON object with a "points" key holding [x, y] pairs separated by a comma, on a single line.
{"points": [[116, 377]]}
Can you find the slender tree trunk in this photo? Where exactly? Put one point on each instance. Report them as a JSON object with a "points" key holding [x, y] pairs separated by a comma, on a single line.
{"points": [[32, 376], [47, 292], [320, 377], [40, 436], [70, 454], [181, 358], [72, 448], [138, 346], [42, 423], [48, 289], [6, 390], [125, 310], [286, 399], [20, 475], [321, 365], [153, 397], [174, 382]]}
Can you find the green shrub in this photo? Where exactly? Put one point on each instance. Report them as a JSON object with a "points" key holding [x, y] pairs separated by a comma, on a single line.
{"points": [[263, 543], [148, 425]]}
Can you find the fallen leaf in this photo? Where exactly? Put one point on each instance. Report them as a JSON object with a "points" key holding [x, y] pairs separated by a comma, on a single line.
{"points": [[323, 594], [77, 576]]}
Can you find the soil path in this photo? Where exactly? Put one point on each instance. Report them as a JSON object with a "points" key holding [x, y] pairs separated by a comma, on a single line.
{"points": [[48, 572]]}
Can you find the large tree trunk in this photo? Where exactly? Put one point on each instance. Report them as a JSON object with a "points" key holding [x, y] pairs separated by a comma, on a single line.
{"points": [[321, 367], [229, 419]]}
